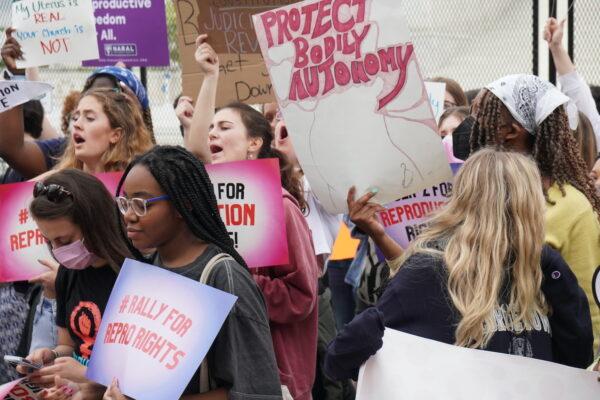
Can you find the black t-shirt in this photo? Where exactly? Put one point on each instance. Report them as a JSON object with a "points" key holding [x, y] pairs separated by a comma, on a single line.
{"points": [[241, 358], [81, 297]]}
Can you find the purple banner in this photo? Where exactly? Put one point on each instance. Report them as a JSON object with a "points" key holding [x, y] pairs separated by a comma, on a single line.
{"points": [[131, 31]]}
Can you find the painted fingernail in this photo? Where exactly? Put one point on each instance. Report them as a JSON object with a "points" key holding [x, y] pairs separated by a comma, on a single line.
{"points": [[374, 190]]}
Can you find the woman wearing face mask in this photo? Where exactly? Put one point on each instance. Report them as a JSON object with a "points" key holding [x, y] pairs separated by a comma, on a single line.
{"points": [[238, 132], [77, 215]]}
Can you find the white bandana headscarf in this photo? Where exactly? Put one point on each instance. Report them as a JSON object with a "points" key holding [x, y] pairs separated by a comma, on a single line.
{"points": [[528, 98]]}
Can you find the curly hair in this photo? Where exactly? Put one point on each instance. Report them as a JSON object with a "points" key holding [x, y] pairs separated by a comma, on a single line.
{"points": [[553, 146], [123, 113]]}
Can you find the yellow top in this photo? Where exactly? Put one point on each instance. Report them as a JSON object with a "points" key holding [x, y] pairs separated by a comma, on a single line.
{"points": [[572, 228]]}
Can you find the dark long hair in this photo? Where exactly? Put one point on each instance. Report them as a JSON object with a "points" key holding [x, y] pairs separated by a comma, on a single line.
{"points": [[184, 178], [92, 208], [554, 147], [259, 127]]}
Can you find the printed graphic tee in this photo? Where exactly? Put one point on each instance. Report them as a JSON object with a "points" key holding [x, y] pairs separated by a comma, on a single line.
{"points": [[81, 298]]}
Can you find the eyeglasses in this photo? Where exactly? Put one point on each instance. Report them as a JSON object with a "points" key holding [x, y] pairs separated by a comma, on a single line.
{"points": [[53, 192], [139, 206]]}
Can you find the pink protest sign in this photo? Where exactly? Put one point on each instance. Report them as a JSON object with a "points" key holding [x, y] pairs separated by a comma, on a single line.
{"points": [[251, 206], [348, 83], [21, 242], [404, 219], [154, 340], [20, 389]]}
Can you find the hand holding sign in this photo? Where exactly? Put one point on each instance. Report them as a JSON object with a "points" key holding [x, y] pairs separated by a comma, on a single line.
{"points": [[48, 278], [11, 52], [206, 57], [364, 214]]}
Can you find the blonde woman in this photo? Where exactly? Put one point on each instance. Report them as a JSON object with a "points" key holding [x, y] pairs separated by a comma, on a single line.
{"points": [[477, 277]]}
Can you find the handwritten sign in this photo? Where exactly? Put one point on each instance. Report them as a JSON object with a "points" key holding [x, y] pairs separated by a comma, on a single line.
{"points": [[250, 203], [15, 93], [153, 341], [134, 32], [21, 242], [404, 219], [351, 93], [243, 75], [435, 94], [19, 389], [411, 367], [54, 31]]}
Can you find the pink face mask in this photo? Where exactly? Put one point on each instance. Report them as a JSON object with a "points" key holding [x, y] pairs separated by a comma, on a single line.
{"points": [[74, 256]]}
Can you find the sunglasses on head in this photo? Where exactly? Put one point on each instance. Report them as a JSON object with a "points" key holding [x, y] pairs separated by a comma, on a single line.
{"points": [[53, 192]]}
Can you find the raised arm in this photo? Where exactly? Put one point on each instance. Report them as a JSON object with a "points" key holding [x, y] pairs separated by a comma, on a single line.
{"points": [[196, 139], [24, 157], [572, 84]]}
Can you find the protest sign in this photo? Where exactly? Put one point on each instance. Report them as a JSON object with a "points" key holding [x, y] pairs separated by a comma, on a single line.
{"points": [[19, 389], [153, 341], [411, 367], [250, 203], [15, 93], [436, 92], [345, 246], [352, 96], [51, 31], [404, 219], [243, 75], [134, 32], [22, 243], [249, 198]]}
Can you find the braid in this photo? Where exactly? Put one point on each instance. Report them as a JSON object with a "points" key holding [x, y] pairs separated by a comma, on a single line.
{"points": [[558, 156], [554, 148], [185, 180]]}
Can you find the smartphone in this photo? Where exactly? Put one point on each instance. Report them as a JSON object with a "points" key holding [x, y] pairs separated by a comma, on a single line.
{"points": [[16, 361]]}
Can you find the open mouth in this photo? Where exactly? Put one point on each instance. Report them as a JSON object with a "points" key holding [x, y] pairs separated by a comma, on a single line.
{"points": [[78, 139], [214, 149], [284, 133]]}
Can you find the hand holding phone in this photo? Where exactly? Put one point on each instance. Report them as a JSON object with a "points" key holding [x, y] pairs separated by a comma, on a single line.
{"points": [[20, 361]]}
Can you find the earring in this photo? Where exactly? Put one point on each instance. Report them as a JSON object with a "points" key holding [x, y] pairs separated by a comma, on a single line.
{"points": [[249, 156]]}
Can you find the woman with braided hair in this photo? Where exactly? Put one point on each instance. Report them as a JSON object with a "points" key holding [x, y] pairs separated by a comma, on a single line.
{"points": [[238, 132], [526, 114], [169, 205]]}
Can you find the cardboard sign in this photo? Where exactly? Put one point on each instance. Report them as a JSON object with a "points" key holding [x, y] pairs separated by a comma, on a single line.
{"points": [[54, 31], [21, 242], [404, 219], [152, 340], [243, 75], [436, 92], [134, 32], [411, 367], [15, 93], [250, 203], [353, 99], [19, 389]]}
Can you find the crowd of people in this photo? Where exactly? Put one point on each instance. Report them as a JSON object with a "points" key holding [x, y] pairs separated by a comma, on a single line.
{"points": [[507, 265]]}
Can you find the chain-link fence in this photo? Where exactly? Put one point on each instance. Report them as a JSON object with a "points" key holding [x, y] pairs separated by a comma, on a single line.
{"points": [[586, 37], [471, 41]]}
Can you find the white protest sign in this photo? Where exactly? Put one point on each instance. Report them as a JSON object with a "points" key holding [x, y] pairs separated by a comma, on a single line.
{"points": [[54, 31], [14, 93], [352, 96], [436, 92], [411, 367]]}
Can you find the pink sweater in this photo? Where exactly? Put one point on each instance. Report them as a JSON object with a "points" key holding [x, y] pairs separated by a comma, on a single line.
{"points": [[291, 292]]}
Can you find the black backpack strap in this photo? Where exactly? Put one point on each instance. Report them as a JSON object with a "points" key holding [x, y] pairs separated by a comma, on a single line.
{"points": [[35, 296]]}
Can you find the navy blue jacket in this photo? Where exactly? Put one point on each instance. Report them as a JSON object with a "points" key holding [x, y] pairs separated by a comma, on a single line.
{"points": [[417, 302]]}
